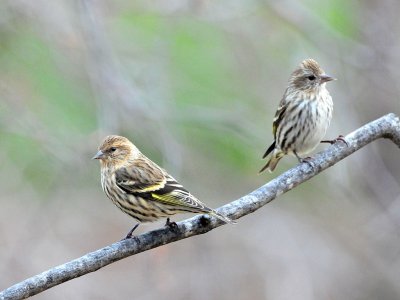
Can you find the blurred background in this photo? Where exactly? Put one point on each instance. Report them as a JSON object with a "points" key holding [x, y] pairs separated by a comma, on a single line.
{"points": [[195, 84]]}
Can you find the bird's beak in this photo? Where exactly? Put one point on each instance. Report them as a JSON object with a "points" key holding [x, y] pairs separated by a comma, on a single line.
{"points": [[99, 155], [326, 78]]}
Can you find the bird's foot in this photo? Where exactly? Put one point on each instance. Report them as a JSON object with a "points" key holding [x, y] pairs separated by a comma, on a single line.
{"points": [[130, 233], [307, 160], [170, 224], [339, 138]]}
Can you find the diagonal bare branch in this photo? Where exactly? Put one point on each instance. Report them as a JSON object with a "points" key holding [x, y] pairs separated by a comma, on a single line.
{"points": [[385, 127]]}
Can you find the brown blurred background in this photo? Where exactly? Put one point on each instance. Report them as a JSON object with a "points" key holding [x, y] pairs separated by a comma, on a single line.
{"points": [[195, 85]]}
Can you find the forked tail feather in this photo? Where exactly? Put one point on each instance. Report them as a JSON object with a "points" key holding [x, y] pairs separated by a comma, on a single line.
{"points": [[273, 161]]}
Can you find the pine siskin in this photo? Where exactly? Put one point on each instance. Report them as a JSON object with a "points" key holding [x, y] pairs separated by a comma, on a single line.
{"points": [[140, 188], [303, 115]]}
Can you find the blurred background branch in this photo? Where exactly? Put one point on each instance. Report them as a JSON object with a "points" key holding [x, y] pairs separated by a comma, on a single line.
{"points": [[385, 127]]}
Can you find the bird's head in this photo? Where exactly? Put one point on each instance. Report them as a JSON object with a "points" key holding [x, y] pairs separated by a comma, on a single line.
{"points": [[115, 151], [309, 76]]}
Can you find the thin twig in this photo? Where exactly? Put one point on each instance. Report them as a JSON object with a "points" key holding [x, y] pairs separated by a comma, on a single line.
{"points": [[386, 127]]}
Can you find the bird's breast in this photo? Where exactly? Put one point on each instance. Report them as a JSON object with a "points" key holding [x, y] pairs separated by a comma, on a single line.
{"points": [[109, 185]]}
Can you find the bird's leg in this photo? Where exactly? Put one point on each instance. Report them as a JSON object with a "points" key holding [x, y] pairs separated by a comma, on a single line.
{"points": [[339, 138], [170, 224], [306, 160], [129, 235]]}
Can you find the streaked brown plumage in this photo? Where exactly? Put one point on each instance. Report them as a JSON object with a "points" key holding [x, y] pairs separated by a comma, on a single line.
{"points": [[140, 188], [303, 115]]}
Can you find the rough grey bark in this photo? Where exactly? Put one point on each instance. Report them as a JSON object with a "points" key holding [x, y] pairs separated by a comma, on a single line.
{"points": [[386, 127]]}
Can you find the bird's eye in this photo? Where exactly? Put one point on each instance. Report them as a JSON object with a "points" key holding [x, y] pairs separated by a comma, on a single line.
{"points": [[311, 77], [113, 149]]}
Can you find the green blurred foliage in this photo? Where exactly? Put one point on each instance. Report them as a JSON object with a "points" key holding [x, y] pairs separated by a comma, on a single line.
{"points": [[195, 85], [217, 77], [58, 103], [27, 155], [339, 15]]}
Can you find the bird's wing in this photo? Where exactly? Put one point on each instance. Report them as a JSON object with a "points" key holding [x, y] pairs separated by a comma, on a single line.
{"points": [[141, 177], [147, 180], [173, 193], [280, 112]]}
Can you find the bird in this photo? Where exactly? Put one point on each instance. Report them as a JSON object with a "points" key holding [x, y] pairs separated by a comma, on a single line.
{"points": [[142, 189], [303, 115]]}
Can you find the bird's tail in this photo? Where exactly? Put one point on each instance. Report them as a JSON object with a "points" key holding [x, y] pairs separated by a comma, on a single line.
{"points": [[222, 217], [273, 161], [270, 149]]}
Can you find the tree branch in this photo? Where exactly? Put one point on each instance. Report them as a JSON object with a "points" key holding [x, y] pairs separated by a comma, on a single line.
{"points": [[386, 127]]}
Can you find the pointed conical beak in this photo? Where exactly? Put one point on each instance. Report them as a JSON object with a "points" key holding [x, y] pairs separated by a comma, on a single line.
{"points": [[326, 78], [99, 155]]}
